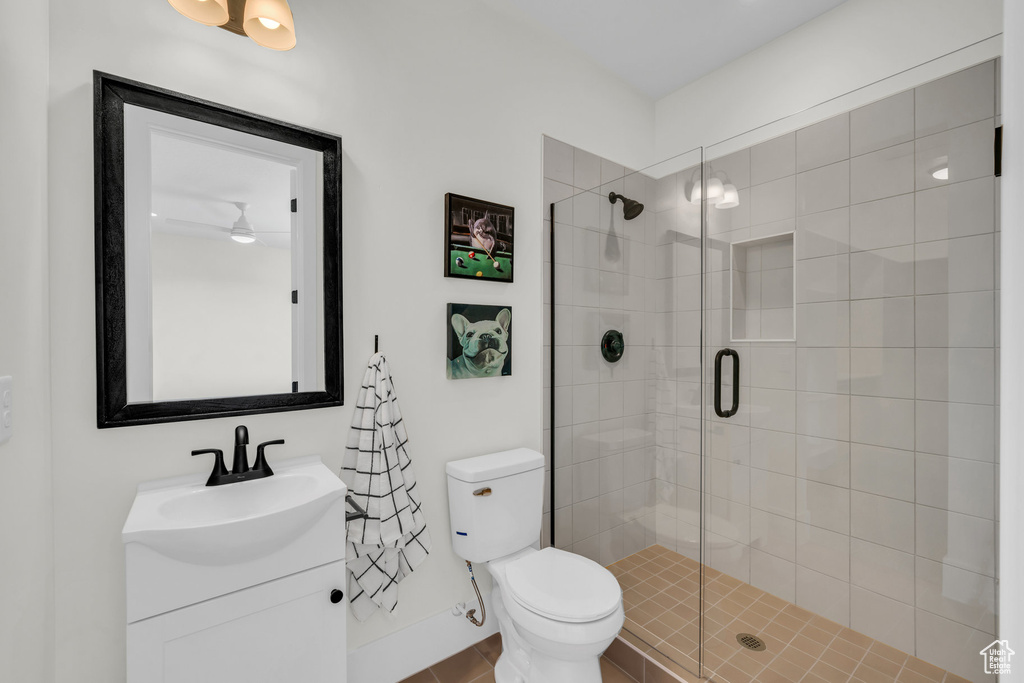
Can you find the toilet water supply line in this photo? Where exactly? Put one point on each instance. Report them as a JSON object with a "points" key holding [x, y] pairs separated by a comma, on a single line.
{"points": [[483, 609]]}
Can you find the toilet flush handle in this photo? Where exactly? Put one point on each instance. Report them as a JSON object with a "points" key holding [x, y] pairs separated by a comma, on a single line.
{"points": [[486, 491]]}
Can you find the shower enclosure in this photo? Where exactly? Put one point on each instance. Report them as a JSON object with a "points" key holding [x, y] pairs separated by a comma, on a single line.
{"points": [[808, 491]]}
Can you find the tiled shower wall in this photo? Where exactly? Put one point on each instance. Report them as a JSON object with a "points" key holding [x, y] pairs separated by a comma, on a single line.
{"points": [[603, 456], [859, 478]]}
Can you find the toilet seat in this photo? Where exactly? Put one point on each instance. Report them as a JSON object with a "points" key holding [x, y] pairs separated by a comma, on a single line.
{"points": [[563, 586]]}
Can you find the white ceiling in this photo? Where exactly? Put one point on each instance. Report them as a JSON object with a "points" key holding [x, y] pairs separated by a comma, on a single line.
{"points": [[195, 187], [661, 45]]}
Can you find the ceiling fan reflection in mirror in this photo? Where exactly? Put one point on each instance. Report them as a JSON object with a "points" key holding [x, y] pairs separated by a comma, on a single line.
{"points": [[241, 231]]}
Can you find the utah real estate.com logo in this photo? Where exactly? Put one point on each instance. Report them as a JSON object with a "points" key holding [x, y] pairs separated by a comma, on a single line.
{"points": [[997, 657]]}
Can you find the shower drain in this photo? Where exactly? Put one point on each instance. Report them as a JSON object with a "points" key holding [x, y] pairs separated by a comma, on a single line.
{"points": [[751, 642]]}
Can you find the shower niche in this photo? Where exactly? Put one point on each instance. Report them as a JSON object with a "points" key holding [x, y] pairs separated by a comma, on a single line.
{"points": [[762, 303]]}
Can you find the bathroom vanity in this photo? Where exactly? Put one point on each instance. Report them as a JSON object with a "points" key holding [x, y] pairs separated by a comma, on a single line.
{"points": [[241, 582]]}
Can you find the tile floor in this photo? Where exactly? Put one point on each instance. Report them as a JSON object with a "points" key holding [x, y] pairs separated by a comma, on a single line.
{"points": [[476, 665], [661, 597], [660, 591]]}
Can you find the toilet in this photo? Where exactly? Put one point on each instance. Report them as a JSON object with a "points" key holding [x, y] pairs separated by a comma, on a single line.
{"points": [[557, 611]]}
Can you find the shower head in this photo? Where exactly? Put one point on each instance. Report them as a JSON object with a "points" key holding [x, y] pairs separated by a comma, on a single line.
{"points": [[630, 208]]}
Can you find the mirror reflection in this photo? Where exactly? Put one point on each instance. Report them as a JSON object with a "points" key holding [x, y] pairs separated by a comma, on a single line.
{"points": [[222, 261]]}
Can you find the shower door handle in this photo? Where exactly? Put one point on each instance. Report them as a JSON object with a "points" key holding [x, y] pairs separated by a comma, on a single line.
{"points": [[735, 383]]}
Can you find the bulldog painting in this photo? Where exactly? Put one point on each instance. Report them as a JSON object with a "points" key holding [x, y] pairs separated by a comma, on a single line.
{"points": [[479, 341]]}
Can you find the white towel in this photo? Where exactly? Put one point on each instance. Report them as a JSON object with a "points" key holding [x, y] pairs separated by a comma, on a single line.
{"points": [[387, 546]]}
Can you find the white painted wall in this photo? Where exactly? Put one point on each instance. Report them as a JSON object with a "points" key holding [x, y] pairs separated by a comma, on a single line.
{"points": [[222, 318], [1011, 507], [26, 517], [853, 46], [450, 95]]}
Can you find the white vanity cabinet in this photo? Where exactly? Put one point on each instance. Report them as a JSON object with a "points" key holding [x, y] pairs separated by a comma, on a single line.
{"points": [[283, 630], [240, 583]]}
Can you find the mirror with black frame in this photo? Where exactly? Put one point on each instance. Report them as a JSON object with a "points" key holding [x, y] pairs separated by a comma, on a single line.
{"points": [[218, 259]]}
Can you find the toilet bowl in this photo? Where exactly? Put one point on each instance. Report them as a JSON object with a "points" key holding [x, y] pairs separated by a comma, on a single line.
{"points": [[557, 612]]}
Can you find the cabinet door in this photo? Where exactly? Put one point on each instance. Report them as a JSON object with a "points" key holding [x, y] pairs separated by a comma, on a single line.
{"points": [[283, 630]]}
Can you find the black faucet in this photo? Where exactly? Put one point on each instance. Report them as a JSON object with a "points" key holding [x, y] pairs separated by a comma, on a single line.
{"points": [[241, 462], [240, 467]]}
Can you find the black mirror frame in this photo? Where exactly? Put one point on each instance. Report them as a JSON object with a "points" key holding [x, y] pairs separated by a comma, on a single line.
{"points": [[110, 94]]}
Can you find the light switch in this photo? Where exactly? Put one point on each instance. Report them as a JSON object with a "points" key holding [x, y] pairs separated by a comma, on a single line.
{"points": [[6, 408]]}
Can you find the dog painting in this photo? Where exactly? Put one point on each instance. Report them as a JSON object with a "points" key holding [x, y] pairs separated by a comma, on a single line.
{"points": [[478, 239], [479, 341]]}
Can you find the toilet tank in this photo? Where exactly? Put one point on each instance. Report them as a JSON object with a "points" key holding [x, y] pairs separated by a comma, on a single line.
{"points": [[495, 502]]}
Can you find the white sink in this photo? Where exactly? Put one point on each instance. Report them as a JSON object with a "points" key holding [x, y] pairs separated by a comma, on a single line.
{"points": [[188, 521]]}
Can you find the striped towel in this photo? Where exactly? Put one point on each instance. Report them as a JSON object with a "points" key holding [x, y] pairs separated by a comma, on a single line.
{"points": [[387, 546]]}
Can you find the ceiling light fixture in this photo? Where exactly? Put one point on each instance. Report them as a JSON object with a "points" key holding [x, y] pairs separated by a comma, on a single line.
{"points": [[715, 190], [730, 197], [242, 231], [695, 194], [268, 22], [721, 193], [209, 12], [692, 188]]}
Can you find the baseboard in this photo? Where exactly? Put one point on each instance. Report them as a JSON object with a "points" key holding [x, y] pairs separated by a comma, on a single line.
{"points": [[400, 654]]}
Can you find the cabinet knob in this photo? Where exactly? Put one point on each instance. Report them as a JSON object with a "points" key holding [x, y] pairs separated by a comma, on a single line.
{"points": [[337, 596]]}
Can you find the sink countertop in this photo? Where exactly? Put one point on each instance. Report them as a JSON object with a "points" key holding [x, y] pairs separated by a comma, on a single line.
{"points": [[186, 542], [183, 518]]}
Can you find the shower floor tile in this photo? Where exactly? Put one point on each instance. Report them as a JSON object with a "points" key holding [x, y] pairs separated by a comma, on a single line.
{"points": [[661, 595]]}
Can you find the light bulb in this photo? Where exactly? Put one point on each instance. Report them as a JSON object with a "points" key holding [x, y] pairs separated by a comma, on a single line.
{"points": [[243, 239], [270, 23]]}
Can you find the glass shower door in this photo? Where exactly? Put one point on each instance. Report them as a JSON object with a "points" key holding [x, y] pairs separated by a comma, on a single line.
{"points": [[750, 414], [625, 429], [851, 455], [663, 607]]}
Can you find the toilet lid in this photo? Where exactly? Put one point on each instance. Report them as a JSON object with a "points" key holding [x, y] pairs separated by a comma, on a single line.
{"points": [[563, 586]]}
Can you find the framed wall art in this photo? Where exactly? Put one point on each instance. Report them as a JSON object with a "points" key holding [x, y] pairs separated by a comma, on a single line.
{"points": [[478, 239], [479, 341]]}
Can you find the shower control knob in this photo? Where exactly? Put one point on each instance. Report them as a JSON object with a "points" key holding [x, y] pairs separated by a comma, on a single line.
{"points": [[337, 596], [612, 346]]}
